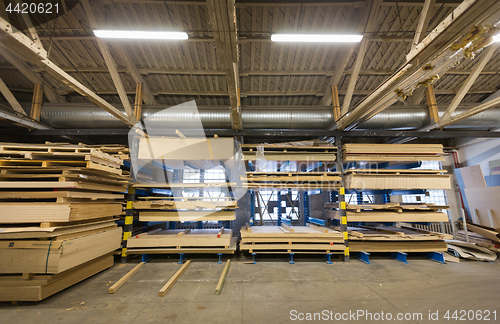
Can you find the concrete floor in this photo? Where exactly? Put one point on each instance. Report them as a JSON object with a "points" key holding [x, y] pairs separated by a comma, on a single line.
{"points": [[268, 291]]}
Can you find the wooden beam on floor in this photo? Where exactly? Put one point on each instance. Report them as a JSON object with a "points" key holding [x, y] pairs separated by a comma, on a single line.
{"points": [[222, 279], [117, 285], [432, 104], [163, 291], [11, 99], [36, 104], [17, 42], [478, 67]]}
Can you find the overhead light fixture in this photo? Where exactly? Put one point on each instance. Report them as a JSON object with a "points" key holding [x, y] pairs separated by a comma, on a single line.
{"points": [[138, 34], [316, 38], [496, 38]]}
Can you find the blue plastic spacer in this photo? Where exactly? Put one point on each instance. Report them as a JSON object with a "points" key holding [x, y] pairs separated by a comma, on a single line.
{"points": [[253, 255], [400, 256], [328, 258], [363, 256], [291, 258], [182, 258], [435, 256], [220, 258], [145, 257]]}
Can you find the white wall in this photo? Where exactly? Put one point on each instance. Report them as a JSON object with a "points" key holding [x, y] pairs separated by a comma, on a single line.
{"points": [[480, 152]]}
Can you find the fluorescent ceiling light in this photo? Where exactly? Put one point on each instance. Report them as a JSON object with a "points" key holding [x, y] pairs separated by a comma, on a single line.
{"points": [[138, 34], [316, 38], [496, 38]]}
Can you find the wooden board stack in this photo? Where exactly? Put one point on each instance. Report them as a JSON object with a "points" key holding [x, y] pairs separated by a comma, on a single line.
{"points": [[392, 152], [398, 179], [390, 212], [277, 152], [291, 239], [395, 239], [57, 223], [174, 209], [293, 180], [160, 241]]}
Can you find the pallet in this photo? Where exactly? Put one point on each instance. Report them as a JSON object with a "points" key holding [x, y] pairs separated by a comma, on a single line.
{"points": [[13, 164], [39, 287]]}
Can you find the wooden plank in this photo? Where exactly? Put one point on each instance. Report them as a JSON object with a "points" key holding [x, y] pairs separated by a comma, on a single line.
{"points": [[36, 105], [20, 43], [11, 99], [125, 278], [222, 279], [191, 215], [163, 291], [431, 103], [388, 216], [478, 67]]}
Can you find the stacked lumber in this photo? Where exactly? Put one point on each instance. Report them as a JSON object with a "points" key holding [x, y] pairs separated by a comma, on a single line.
{"points": [[291, 239], [57, 225], [283, 152], [117, 150], [389, 212], [395, 239], [293, 180], [398, 179], [173, 209], [183, 241], [392, 152]]}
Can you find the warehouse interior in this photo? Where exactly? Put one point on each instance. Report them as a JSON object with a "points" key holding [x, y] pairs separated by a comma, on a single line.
{"points": [[249, 161]]}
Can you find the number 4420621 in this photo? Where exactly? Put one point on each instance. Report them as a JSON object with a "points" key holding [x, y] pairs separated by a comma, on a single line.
{"points": [[471, 315], [33, 8]]}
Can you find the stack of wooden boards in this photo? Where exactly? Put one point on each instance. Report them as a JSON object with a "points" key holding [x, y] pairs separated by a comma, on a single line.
{"points": [[389, 212], [293, 180], [284, 152], [174, 209], [291, 239], [392, 152], [395, 239], [57, 224], [160, 241], [398, 179]]}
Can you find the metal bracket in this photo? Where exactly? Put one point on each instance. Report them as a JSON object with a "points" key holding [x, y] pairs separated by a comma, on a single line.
{"points": [[291, 258], [435, 256], [328, 258], [363, 256], [400, 256], [145, 257], [253, 255], [220, 258], [182, 258]]}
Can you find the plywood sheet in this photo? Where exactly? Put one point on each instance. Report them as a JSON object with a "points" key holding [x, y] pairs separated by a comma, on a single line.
{"points": [[482, 200], [473, 177]]}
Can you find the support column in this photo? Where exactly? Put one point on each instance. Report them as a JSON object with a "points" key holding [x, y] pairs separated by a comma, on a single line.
{"points": [[341, 199], [335, 103], [129, 219], [138, 102], [432, 104], [36, 104]]}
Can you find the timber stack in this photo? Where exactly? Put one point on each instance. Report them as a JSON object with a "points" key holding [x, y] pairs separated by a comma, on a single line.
{"points": [[57, 225]]}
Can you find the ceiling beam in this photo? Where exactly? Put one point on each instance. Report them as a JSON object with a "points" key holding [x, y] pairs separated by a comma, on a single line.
{"points": [[16, 41], [11, 99], [243, 73], [485, 57], [22, 121], [423, 22], [110, 62], [437, 44], [469, 113], [29, 73], [136, 75], [222, 15]]}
